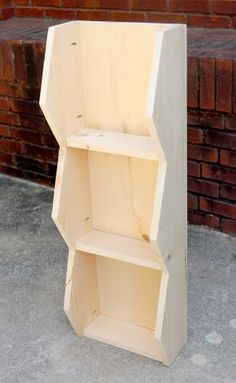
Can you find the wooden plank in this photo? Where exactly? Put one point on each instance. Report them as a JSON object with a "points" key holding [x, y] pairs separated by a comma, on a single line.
{"points": [[122, 194], [168, 110], [120, 248], [115, 143], [81, 302], [128, 292], [124, 335]]}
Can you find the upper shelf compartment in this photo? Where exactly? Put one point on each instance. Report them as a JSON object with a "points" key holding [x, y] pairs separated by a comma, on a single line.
{"points": [[129, 145], [110, 88]]}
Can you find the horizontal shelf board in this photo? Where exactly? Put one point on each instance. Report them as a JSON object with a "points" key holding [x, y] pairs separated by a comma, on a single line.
{"points": [[115, 143], [124, 335], [120, 248]]}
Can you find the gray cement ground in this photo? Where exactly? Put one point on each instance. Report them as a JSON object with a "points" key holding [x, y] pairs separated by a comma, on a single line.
{"points": [[37, 343]]}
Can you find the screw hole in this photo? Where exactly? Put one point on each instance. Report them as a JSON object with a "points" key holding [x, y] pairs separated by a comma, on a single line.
{"points": [[79, 116], [73, 43]]}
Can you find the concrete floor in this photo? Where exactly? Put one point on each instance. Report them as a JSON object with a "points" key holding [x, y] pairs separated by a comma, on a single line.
{"points": [[37, 343]]}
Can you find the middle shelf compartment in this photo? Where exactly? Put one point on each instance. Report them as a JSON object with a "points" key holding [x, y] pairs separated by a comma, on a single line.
{"points": [[106, 206]]}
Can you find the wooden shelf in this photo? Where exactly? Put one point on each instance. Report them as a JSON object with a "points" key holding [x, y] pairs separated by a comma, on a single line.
{"points": [[120, 248], [115, 143], [124, 335]]}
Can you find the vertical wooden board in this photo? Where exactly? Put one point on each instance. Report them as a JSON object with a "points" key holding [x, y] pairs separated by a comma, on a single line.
{"points": [[122, 193], [169, 114], [61, 92], [74, 214], [128, 292], [81, 302], [116, 72]]}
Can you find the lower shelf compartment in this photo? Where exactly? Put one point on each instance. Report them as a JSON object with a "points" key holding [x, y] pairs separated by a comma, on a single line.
{"points": [[120, 248], [124, 335]]}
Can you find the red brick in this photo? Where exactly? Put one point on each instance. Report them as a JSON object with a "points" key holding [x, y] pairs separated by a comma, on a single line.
{"points": [[223, 85], [198, 6], [127, 16], [4, 131], [202, 153], [112, 4], [209, 21], [48, 3], [40, 152], [193, 82], [231, 123], [225, 7], [7, 72], [193, 117], [8, 90], [4, 103], [5, 158], [228, 158], [60, 13], [211, 120], [229, 226], [5, 2], [10, 146], [222, 140], [19, 60], [198, 218], [7, 13], [9, 118], [154, 5], [26, 135], [195, 136], [92, 15], [219, 173], [78, 4], [166, 18], [228, 192], [218, 207], [38, 178], [10, 170], [29, 12], [234, 86], [27, 107], [21, 2], [193, 169], [207, 188], [26, 163], [39, 53], [207, 83], [30, 92], [192, 202], [34, 123], [49, 140]]}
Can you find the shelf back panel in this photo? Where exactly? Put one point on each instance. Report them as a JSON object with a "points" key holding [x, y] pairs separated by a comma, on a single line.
{"points": [[122, 194], [128, 292]]}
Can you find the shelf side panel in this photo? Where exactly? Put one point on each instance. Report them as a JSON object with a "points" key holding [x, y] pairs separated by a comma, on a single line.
{"points": [[169, 115]]}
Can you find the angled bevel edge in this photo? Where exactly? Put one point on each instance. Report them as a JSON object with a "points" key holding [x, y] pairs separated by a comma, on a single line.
{"points": [[57, 195], [68, 290], [47, 70]]}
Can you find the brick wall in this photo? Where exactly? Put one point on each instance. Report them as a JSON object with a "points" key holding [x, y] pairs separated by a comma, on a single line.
{"points": [[28, 149], [196, 13]]}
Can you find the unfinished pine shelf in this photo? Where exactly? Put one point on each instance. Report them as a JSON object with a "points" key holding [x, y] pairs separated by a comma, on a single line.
{"points": [[114, 95]]}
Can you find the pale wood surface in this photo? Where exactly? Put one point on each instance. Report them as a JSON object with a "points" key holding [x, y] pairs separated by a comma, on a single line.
{"points": [[120, 248], [130, 145], [118, 110]]}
